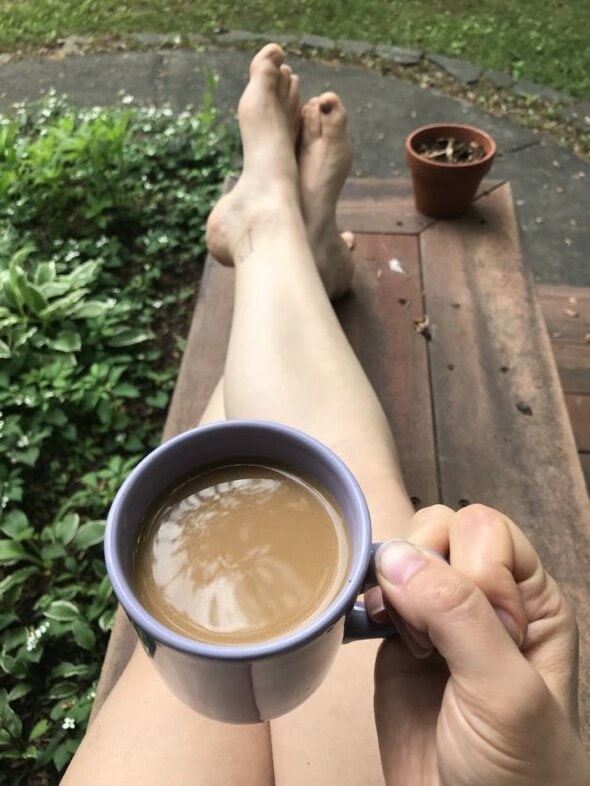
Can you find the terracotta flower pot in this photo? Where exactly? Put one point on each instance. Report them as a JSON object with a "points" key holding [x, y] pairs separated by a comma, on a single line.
{"points": [[445, 190]]}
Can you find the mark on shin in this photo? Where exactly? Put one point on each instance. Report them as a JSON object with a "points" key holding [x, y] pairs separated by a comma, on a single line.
{"points": [[242, 257]]}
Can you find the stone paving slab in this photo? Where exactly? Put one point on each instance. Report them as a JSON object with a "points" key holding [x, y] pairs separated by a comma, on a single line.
{"points": [[551, 186], [460, 69], [91, 80], [552, 193]]}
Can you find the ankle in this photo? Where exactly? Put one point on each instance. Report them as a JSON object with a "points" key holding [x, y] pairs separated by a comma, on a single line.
{"points": [[263, 219]]}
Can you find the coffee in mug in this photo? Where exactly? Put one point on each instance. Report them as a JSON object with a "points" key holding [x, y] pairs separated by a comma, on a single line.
{"points": [[241, 553], [272, 672]]}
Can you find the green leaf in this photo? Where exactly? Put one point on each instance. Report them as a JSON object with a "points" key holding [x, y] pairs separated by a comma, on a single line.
{"points": [[129, 336], [126, 391], [28, 457], [66, 341], [16, 667], [105, 621], [89, 534], [39, 729], [61, 757], [13, 723], [83, 274], [45, 273], [11, 552], [4, 350], [63, 304], [32, 297], [159, 401], [63, 690], [53, 551], [89, 310], [20, 690], [66, 528], [13, 638], [16, 525], [84, 635], [7, 617], [14, 579], [62, 611], [71, 670]]}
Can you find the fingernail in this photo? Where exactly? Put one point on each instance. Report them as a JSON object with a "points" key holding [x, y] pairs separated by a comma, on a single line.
{"points": [[374, 603], [397, 561], [511, 626]]}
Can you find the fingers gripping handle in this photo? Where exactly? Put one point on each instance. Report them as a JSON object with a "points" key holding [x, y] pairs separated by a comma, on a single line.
{"points": [[358, 624]]}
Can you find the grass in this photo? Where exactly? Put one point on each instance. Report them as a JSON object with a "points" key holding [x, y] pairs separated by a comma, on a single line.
{"points": [[510, 35]]}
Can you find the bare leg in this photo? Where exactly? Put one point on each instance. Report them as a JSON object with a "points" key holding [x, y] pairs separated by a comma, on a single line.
{"points": [[143, 734], [289, 361]]}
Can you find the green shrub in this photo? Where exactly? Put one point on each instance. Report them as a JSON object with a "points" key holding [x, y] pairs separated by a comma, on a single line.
{"points": [[102, 214]]}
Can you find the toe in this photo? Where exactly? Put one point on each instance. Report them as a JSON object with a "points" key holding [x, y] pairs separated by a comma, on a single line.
{"points": [[267, 62], [285, 72], [333, 116], [294, 104], [311, 127]]}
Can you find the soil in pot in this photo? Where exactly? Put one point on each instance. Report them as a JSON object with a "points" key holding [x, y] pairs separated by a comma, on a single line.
{"points": [[448, 150]]}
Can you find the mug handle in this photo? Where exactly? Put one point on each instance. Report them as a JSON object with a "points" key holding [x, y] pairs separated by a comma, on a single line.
{"points": [[358, 625]]}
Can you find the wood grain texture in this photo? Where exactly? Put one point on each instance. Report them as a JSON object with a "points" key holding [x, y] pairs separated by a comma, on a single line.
{"points": [[378, 318], [567, 313], [578, 408], [503, 433], [573, 365], [202, 363], [502, 428], [378, 205]]}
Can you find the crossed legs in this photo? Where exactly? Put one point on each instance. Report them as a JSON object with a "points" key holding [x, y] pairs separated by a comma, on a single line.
{"points": [[289, 361]]}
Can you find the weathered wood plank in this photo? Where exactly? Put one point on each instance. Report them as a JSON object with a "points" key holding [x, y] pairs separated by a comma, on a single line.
{"points": [[378, 205], [491, 362], [573, 365], [567, 313], [502, 429], [567, 316], [378, 317], [202, 363], [578, 408]]}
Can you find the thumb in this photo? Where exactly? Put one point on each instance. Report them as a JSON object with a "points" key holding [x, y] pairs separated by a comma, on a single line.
{"points": [[439, 601]]}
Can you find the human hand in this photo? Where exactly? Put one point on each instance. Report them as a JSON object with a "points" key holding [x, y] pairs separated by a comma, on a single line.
{"points": [[497, 704]]}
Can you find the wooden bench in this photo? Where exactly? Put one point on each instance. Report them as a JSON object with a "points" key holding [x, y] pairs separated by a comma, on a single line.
{"points": [[446, 321], [567, 316]]}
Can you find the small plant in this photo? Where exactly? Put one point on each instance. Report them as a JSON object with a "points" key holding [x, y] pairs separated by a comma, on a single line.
{"points": [[102, 214]]}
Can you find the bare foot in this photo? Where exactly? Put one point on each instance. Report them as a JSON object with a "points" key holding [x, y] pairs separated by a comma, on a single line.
{"points": [[269, 117], [325, 158]]}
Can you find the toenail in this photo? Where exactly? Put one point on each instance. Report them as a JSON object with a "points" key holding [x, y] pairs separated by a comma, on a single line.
{"points": [[326, 108]]}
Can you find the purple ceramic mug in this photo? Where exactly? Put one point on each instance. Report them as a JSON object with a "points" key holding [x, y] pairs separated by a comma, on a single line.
{"points": [[254, 682]]}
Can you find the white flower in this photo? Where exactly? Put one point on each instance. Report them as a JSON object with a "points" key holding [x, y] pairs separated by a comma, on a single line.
{"points": [[34, 636], [72, 254], [23, 442], [69, 723], [127, 100]]}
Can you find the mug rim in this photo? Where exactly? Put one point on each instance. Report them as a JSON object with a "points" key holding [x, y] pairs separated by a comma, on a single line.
{"points": [[360, 547]]}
